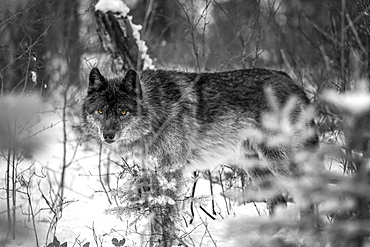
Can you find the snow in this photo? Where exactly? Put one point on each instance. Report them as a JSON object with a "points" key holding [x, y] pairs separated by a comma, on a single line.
{"points": [[84, 215], [86, 206], [115, 6], [354, 102], [143, 49], [84, 219]]}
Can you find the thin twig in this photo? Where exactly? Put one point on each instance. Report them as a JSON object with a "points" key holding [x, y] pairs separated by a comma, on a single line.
{"points": [[100, 174]]}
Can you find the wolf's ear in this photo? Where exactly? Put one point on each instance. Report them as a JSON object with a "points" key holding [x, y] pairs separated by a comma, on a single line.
{"points": [[96, 80], [131, 82]]}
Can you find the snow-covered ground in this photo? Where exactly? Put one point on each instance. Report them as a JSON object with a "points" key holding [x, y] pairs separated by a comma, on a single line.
{"points": [[83, 218], [85, 210]]}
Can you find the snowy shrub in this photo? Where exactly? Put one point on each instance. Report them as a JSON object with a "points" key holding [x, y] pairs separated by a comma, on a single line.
{"points": [[148, 193], [331, 196]]}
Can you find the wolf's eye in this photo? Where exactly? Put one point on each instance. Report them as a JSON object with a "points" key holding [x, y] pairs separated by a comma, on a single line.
{"points": [[123, 112], [100, 111]]}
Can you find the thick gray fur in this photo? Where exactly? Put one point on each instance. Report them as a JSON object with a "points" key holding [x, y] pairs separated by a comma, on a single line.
{"points": [[196, 120]]}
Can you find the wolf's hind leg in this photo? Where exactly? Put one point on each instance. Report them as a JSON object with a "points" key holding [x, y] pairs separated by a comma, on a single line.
{"points": [[265, 181], [264, 176]]}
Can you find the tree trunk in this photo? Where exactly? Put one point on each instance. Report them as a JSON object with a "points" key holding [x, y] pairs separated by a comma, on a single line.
{"points": [[116, 36]]}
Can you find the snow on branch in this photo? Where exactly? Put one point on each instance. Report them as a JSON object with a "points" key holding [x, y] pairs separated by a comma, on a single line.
{"points": [[115, 6]]}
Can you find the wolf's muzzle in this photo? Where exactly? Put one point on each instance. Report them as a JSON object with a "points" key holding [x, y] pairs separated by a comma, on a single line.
{"points": [[109, 137]]}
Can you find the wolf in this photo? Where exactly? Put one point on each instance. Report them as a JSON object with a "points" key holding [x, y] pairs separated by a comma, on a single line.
{"points": [[195, 120]]}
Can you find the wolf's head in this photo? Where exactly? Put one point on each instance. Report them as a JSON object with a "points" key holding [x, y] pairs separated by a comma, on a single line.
{"points": [[112, 109]]}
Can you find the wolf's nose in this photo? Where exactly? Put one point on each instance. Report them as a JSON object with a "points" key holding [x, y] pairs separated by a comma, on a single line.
{"points": [[108, 136]]}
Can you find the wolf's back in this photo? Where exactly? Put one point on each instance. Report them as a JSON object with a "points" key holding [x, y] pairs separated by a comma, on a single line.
{"points": [[214, 96]]}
